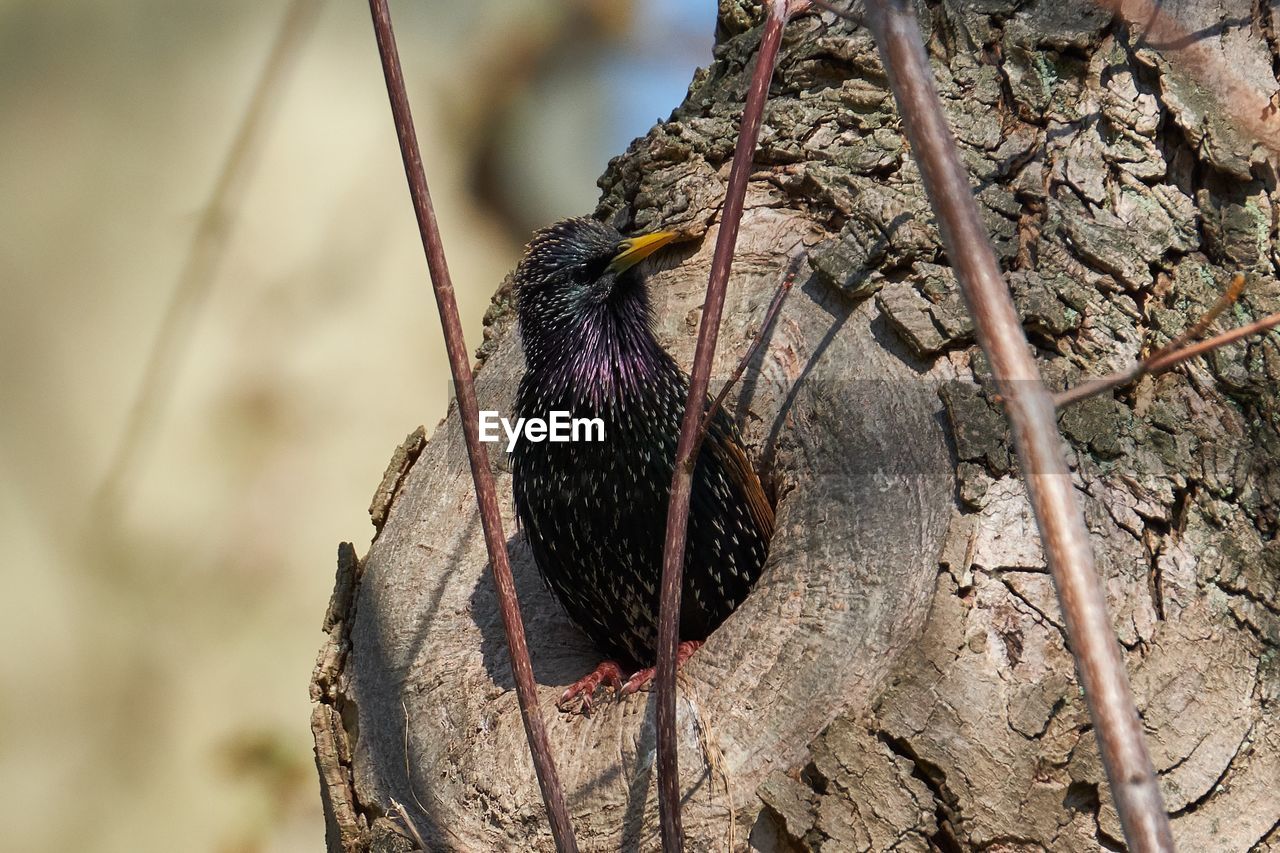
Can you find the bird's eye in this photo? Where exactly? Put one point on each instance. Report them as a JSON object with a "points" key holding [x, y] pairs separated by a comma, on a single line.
{"points": [[595, 268]]}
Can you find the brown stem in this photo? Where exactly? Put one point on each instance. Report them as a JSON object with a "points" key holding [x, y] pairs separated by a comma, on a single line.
{"points": [[687, 447], [409, 825], [1031, 414], [1170, 354], [1168, 360], [770, 314], [481, 474], [1199, 327], [1094, 387], [204, 254]]}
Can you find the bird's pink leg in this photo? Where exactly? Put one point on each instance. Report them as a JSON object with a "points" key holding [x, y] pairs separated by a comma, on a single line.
{"points": [[608, 672], [640, 679]]}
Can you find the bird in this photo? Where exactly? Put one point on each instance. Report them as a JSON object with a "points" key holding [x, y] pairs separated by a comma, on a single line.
{"points": [[595, 512]]}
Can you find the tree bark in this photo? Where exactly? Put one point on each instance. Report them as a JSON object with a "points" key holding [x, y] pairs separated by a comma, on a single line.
{"points": [[899, 679]]}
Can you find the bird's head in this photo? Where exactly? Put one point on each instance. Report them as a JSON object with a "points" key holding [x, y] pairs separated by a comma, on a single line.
{"points": [[576, 269]]}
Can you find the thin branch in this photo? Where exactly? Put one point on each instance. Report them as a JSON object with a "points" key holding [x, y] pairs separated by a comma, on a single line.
{"points": [[777, 13], [482, 475], [1094, 387], [1199, 327], [770, 314], [408, 780], [1031, 414], [208, 244], [1171, 354], [409, 825], [1192, 350], [1165, 359]]}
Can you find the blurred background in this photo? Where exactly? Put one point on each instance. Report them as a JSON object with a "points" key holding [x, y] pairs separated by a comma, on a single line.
{"points": [[216, 325]]}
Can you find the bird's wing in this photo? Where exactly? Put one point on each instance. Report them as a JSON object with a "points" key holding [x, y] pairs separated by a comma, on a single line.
{"points": [[728, 447]]}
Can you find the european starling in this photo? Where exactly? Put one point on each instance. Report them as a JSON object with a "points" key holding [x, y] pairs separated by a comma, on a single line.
{"points": [[595, 512]]}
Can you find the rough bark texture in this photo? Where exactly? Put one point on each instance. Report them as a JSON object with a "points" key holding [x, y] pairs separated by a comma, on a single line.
{"points": [[899, 680]]}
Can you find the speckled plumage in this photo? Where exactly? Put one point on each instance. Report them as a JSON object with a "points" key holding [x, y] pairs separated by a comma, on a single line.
{"points": [[595, 512]]}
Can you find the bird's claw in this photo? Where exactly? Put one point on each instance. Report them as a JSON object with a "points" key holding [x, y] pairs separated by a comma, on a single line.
{"points": [[641, 679], [607, 673]]}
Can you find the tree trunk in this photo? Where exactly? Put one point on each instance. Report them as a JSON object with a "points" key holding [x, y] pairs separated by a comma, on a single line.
{"points": [[899, 680]]}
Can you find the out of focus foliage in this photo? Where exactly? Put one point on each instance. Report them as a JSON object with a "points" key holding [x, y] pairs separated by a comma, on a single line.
{"points": [[160, 636]]}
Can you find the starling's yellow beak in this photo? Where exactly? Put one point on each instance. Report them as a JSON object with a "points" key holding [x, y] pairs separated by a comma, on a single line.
{"points": [[637, 249]]}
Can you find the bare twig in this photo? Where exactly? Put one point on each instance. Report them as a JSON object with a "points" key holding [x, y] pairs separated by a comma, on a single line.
{"points": [[1031, 414], [777, 13], [770, 314], [204, 253], [1199, 327], [1094, 387], [1171, 359], [1161, 361], [400, 810], [482, 475], [1171, 354], [408, 780]]}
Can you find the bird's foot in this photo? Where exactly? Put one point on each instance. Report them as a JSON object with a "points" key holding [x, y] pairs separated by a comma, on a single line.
{"points": [[641, 679], [608, 673]]}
